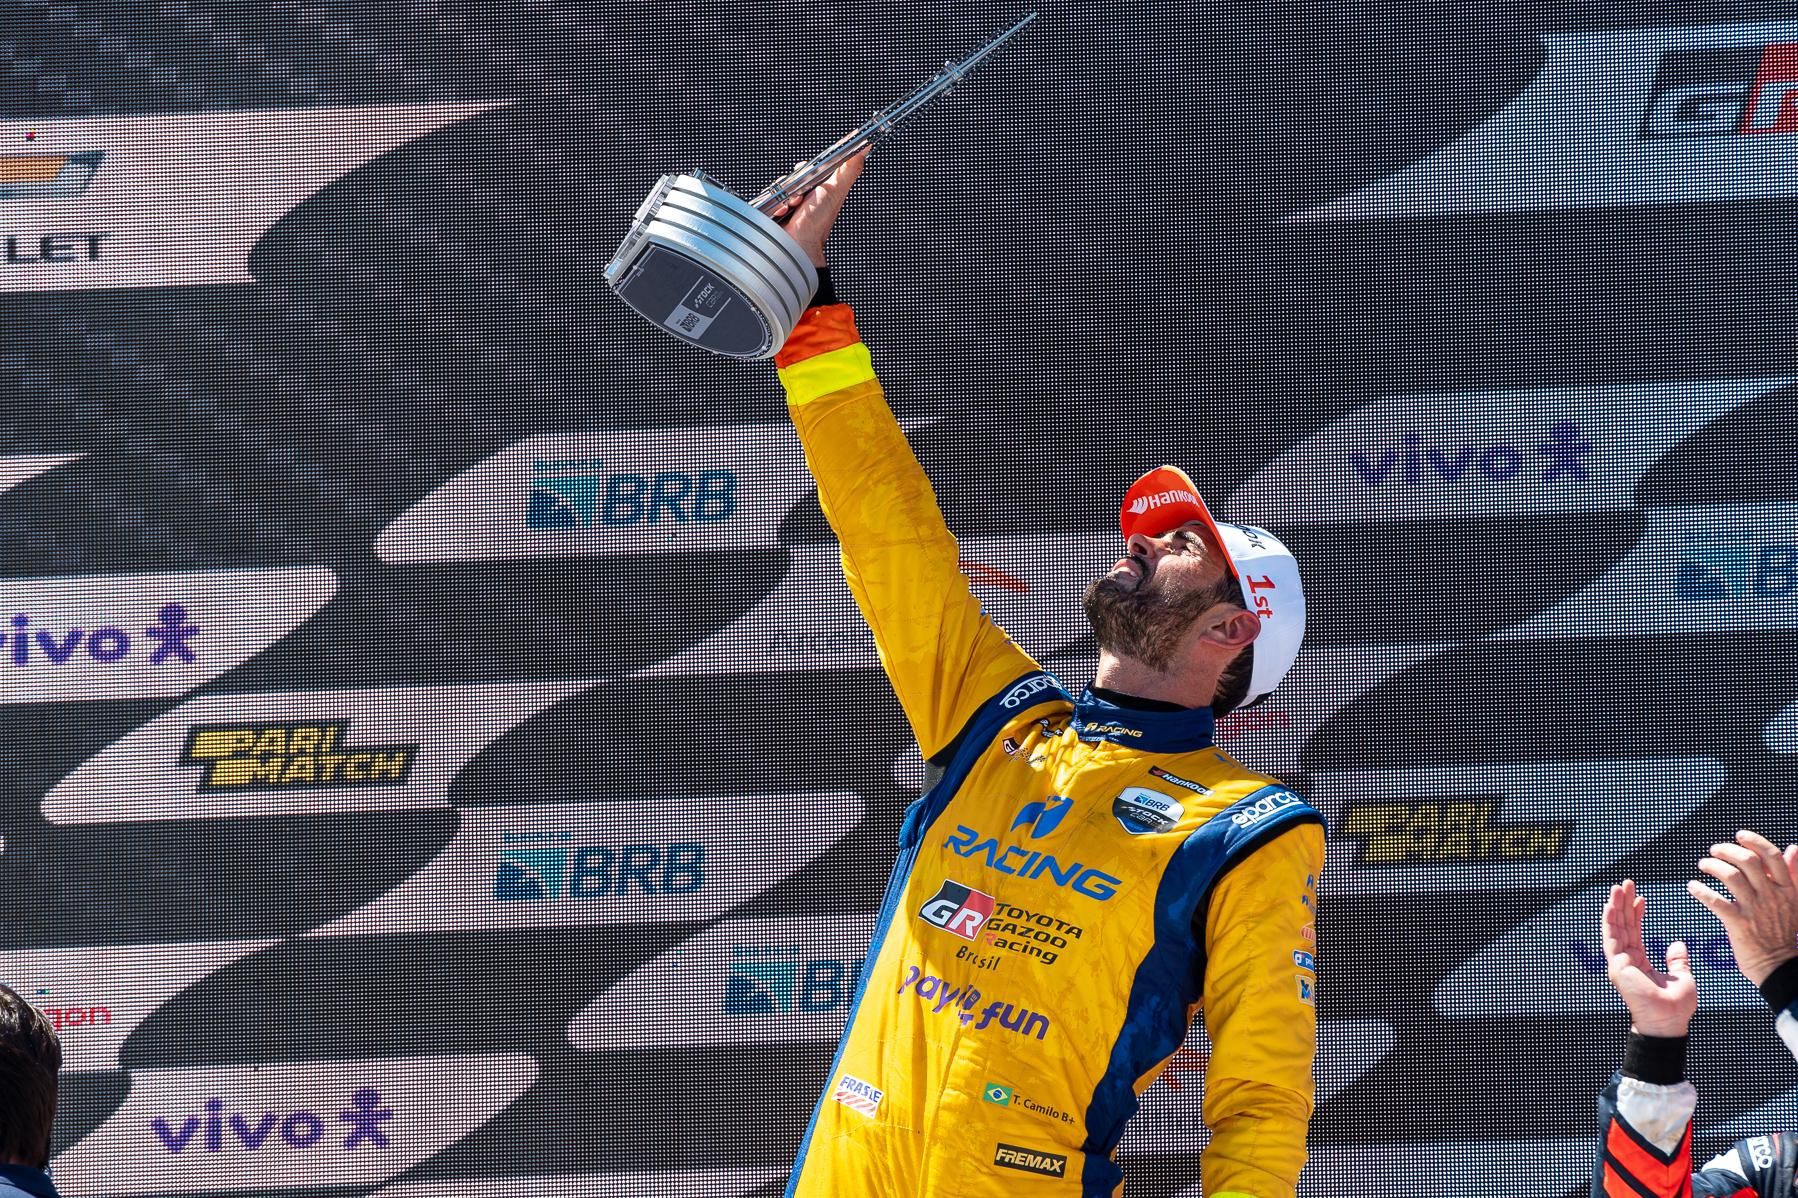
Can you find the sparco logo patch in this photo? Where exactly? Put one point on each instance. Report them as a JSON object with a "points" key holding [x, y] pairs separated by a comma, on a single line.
{"points": [[1029, 1160], [1024, 690], [1268, 804]]}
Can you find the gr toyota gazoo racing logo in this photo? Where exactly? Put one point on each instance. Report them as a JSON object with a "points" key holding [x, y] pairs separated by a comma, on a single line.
{"points": [[958, 910], [1724, 91], [997, 931]]}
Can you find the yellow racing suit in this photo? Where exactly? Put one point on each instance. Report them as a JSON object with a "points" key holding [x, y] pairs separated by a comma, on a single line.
{"points": [[1076, 880]]}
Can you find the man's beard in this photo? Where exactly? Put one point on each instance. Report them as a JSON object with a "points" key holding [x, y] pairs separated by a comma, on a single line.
{"points": [[1146, 626]]}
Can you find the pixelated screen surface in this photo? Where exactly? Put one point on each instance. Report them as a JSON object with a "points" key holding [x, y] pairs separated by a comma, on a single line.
{"points": [[441, 755]]}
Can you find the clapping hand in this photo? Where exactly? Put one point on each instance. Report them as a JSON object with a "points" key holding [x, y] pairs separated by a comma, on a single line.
{"points": [[1762, 918], [1660, 1004]]}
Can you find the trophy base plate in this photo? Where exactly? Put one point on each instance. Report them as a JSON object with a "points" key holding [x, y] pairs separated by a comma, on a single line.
{"points": [[703, 265]]}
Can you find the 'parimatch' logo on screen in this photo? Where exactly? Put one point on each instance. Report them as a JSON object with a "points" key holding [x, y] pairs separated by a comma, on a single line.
{"points": [[1404, 832], [285, 755], [47, 176], [1029, 1160]]}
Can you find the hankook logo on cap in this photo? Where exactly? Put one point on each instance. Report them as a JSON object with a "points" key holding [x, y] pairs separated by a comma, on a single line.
{"points": [[1145, 503]]}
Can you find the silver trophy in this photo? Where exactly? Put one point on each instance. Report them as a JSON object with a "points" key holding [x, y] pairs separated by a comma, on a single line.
{"points": [[715, 270]]}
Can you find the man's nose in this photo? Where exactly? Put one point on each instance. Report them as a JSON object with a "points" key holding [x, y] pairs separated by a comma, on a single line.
{"points": [[1146, 547]]}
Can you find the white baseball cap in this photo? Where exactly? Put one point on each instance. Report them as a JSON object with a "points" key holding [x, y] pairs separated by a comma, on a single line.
{"points": [[1163, 500]]}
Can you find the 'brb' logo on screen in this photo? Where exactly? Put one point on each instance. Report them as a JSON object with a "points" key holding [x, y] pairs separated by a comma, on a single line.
{"points": [[780, 979], [1720, 563], [1723, 91], [357, 1126], [565, 870], [582, 493]]}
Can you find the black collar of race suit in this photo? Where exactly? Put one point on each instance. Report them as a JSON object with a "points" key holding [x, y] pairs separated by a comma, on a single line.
{"points": [[1179, 730]]}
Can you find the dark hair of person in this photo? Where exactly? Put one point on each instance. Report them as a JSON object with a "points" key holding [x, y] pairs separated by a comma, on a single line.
{"points": [[1233, 683], [30, 1057]]}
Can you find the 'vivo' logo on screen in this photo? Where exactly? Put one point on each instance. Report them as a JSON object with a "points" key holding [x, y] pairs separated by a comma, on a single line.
{"points": [[1416, 461], [581, 493], [164, 641], [359, 1125]]}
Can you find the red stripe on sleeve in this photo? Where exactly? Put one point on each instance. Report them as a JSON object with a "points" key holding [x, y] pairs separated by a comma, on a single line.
{"points": [[819, 331], [1615, 1186], [1672, 1178]]}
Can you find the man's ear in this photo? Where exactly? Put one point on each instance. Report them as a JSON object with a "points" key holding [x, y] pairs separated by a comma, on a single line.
{"points": [[1237, 631]]}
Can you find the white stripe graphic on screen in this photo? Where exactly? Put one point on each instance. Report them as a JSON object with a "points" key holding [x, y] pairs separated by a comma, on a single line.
{"points": [[746, 981], [135, 636], [1487, 453], [176, 199], [717, 1183], [1605, 124], [657, 858], [96, 997], [14, 471], [300, 1125], [1779, 1114], [1500, 827], [624, 491], [1030, 587], [1554, 964], [1781, 733], [1463, 1168], [1170, 1120], [277, 754], [1696, 570]]}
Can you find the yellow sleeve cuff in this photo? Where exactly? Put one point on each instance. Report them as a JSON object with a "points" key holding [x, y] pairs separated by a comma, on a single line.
{"points": [[819, 376]]}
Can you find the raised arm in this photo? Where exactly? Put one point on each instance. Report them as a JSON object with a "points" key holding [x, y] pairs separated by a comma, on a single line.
{"points": [[945, 658], [1645, 1113]]}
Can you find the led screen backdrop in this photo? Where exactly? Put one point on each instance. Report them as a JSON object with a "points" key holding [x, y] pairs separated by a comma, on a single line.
{"points": [[438, 755]]}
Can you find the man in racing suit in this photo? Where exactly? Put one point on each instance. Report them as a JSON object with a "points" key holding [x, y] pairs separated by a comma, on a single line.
{"points": [[1645, 1114], [1081, 874]]}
